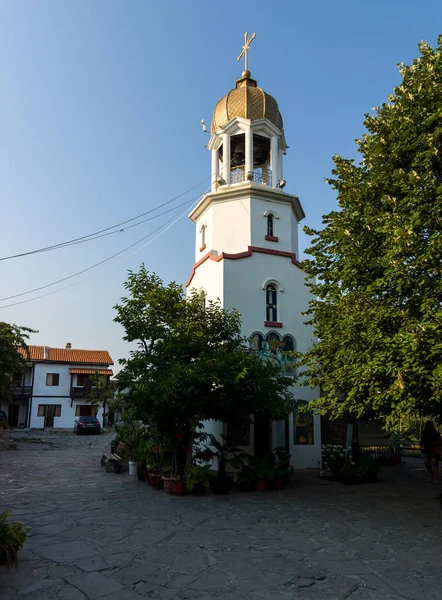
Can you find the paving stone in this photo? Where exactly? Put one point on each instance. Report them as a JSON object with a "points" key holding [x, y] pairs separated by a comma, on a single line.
{"points": [[95, 585], [67, 552], [94, 563]]}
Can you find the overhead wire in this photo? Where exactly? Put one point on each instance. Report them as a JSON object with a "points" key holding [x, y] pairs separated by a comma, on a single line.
{"points": [[96, 234], [190, 205]]}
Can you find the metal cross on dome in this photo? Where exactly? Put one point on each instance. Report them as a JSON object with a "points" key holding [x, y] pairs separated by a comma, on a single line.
{"points": [[245, 50]]}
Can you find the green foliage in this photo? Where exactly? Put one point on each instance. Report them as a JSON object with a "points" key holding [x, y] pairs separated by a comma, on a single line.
{"points": [[191, 363], [223, 451], [283, 466], [199, 475], [375, 267], [396, 441], [12, 337], [12, 537], [265, 467], [333, 457], [101, 390], [364, 469]]}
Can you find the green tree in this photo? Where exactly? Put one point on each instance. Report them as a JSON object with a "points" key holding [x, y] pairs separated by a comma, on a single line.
{"points": [[191, 363], [13, 353], [377, 261]]}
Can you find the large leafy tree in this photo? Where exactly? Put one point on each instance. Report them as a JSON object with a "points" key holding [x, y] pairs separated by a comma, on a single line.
{"points": [[378, 261], [190, 362], [13, 353]]}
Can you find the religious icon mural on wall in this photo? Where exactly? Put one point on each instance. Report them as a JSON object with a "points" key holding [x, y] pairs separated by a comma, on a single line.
{"points": [[275, 350], [303, 427]]}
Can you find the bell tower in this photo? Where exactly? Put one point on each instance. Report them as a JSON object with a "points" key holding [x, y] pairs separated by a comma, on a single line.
{"points": [[246, 249]]}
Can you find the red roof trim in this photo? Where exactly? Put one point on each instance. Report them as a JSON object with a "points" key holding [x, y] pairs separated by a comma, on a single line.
{"points": [[240, 255]]}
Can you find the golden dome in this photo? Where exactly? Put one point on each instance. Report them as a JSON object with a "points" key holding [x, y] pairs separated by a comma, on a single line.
{"points": [[247, 100]]}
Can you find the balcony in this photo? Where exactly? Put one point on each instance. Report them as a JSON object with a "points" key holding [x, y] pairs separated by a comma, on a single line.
{"points": [[79, 391], [21, 391], [262, 176]]}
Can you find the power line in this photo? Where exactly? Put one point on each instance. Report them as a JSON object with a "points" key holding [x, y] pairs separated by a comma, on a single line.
{"points": [[191, 203], [89, 236]]}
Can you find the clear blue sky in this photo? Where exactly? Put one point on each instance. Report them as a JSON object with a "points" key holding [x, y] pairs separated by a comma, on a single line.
{"points": [[101, 103]]}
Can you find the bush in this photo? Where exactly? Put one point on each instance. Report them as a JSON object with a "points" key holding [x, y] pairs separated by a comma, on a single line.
{"points": [[363, 470], [12, 538]]}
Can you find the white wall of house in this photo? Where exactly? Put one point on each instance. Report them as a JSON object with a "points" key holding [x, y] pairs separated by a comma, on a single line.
{"points": [[60, 394]]}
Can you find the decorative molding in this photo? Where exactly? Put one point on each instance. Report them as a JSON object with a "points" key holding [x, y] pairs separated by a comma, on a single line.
{"points": [[271, 238], [203, 247], [251, 249], [274, 282], [276, 324], [271, 212]]}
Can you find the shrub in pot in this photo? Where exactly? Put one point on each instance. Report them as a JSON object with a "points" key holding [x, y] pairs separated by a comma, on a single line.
{"points": [[247, 479], [265, 470], [224, 453], [198, 479], [12, 538], [364, 470], [282, 467]]}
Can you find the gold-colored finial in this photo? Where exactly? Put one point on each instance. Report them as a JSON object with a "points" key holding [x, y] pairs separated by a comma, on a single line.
{"points": [[245, 53]]}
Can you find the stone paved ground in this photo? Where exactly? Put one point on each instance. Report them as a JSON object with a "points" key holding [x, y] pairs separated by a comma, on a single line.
{"points": [[99, 535]]}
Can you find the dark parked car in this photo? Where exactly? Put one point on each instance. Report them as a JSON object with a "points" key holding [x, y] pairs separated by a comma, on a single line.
{"points": [[87, 425]]}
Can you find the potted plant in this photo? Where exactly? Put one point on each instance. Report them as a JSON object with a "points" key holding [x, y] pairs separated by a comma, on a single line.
{"points": [[396, 441], [265, 470], [12, 538], [333, 458], [247, 478], [224, 454], [363, 470], [282, 467], [198, 479], [178, 486]]}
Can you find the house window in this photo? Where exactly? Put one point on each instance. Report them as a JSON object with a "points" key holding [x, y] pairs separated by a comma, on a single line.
{"points": [[84, 410], [52, 379], [82, 380], [270, 223], [271, 304], [203, 235], [44, 409]]}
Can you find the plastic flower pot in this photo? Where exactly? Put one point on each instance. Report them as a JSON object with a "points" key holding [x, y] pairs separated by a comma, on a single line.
{"points": [[278, 484], [168, 484], [179, 488], [260, 485], [155, 481], [132, 468]]}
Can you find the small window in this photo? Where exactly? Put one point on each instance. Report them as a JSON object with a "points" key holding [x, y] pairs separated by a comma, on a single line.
{"points": [[270, 223], [83, 410], [43, 410], [271, 304], [82, 380], [203, 235], [52, 379]]}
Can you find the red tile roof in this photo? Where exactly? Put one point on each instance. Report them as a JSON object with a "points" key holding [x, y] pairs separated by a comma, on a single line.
{"points": [[65, 355], [91, 371]]}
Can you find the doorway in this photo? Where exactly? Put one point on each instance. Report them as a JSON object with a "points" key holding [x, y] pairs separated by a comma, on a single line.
{"points": [[262, 435], [13, 415], [49, 415]]}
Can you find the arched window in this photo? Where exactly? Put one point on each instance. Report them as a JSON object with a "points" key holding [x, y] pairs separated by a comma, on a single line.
{"points": [[271, 303], [288, 359], [203, 235], [270, 225]]}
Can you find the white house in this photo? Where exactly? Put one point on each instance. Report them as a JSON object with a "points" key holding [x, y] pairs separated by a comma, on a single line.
{"points": [[52, 390], [246, 252]]}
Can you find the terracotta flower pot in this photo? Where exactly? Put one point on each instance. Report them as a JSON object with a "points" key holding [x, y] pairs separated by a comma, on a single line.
{"points": [[168, 484], [179, 488], [278, 484], [260, 485]]}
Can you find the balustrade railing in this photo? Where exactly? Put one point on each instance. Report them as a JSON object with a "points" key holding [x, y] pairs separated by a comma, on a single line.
{"points": [[263, 176]]}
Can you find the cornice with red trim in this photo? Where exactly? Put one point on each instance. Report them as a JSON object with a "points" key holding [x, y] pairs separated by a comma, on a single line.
{"points": [[251, 249]]}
